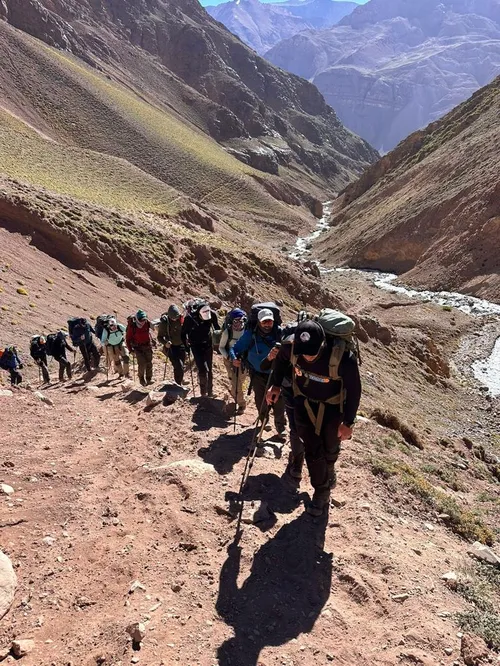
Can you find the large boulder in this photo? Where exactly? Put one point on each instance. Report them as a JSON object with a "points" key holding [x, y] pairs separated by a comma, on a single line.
{"points": [[8, 584]]}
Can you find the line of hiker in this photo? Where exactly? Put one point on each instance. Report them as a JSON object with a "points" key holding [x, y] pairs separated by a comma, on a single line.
{"points": [[307, 370]]}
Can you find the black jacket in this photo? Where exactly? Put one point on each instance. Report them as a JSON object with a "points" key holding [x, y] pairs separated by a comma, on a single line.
{"points": [[348, 371], [198, 333]]}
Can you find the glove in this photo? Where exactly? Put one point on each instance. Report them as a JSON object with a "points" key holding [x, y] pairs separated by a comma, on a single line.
{"points": [[168, 344], [21, 366]]}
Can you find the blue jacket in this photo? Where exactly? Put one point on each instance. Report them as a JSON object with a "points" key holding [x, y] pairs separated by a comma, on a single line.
{"points": [[257, 346], [10, 360]]}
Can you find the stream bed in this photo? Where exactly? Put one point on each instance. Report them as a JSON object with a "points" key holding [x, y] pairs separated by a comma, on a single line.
{"points": [[485, 370]]}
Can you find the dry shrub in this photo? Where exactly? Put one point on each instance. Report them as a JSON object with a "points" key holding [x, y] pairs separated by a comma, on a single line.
{"points": [[389, 420]]}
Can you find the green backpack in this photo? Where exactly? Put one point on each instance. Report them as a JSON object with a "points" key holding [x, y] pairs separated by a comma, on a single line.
{"points": [[340, 328]]}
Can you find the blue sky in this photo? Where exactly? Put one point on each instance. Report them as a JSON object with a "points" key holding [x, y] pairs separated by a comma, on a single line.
{"points": [[205, 3]]}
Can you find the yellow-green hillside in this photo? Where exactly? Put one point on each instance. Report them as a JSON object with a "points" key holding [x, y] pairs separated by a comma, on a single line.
{"points": [[75, 104]]}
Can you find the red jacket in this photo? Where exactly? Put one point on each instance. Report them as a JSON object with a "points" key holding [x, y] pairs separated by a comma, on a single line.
{"points": [[138, 337]]}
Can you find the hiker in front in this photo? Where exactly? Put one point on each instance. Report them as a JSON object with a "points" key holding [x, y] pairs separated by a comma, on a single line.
{"points": [[81, 336], [38, 352], [232, 330], [169, 335], [197, 329], [57, 344], [327, 391], [113, 341], [10, 361], [262, 334], [140, 343], [296, 455]]}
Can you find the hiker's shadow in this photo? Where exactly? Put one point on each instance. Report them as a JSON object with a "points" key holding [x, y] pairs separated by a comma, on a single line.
{"points": [[227, 450], [209, 413], [280, 496], [287, 587]]}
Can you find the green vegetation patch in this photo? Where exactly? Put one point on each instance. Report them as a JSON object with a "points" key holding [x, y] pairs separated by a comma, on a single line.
{"points": [[467, 524], [480, 586]]}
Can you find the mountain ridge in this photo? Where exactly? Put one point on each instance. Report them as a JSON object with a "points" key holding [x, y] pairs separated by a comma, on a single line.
{"points": [[391, 68], [430, 209]]}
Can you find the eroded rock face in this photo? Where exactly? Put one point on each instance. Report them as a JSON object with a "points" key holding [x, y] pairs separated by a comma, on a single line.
{"points": [[441, 228], [434, 65]]}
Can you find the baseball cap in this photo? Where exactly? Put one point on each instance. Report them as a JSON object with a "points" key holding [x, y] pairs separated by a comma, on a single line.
{"points": [[265, 315], [309, 337]]}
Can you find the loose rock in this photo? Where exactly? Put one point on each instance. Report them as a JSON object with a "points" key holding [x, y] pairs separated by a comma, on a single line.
{"points": [[8, 584], [5, 489], [137, 631], [20, 648], [6, 393], [451, 579], [473, 650], [482, 552], [154, 398], [256, 512], [43, 398]]}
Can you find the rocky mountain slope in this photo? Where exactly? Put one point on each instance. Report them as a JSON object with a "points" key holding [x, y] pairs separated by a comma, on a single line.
{"points": [[393, 66], [430, 209], [163, 57], [261, 26]]}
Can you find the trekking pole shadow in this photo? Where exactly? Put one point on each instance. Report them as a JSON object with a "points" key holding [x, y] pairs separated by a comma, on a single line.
{"points": [[285, 592]]}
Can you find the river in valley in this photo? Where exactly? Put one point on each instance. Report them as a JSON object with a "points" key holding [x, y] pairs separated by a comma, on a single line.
{"points": [[485, 370]]}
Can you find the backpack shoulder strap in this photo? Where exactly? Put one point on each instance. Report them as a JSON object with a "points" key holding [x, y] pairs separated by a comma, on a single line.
{"points": [[338, 349]]}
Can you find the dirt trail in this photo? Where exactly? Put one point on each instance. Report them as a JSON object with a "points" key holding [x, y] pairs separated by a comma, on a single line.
{"points": [[301, 590], [98, 514]]}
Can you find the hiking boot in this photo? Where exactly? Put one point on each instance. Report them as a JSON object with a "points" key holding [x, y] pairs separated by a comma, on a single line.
{"points": [[281, 437], [268, 427], [295, 467], [150, 382], [241, 410], [142, 382], [320, 501]]}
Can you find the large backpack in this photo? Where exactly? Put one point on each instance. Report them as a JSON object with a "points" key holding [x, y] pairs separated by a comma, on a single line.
{"points": [[6, 356], [35, 347], [101, 323], [253, 317], [51, 344], [339, 330], [73, 324], [194, 306]]}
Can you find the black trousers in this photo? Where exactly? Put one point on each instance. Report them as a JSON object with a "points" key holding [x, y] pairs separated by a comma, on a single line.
{"points": [[321, 450], [177, 356], [259, 384], [204, 357], [15, 377], [296, 444], [90, 355], [41, 362], [64, 366]]}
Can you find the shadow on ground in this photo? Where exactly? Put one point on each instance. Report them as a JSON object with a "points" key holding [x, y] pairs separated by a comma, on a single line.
{"points": [[227, 450], [209, 413], [283, 596], [279, 495]]}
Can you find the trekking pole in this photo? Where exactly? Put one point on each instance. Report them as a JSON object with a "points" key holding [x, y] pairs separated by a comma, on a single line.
{"points": [[235, 398], [165, 368], [133, 366], [107, 365], [191, 369]]}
